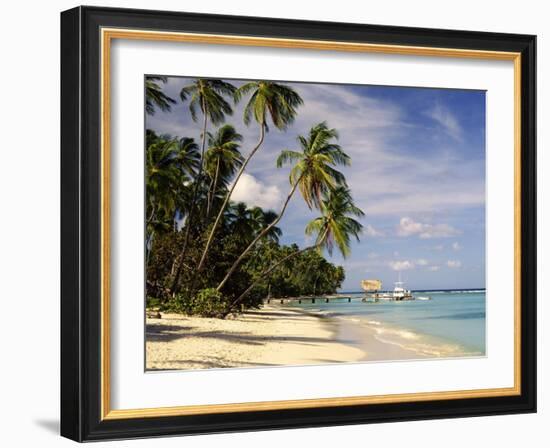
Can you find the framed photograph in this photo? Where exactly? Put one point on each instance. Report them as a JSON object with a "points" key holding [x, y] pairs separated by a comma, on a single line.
{"points": [[277, 224]]}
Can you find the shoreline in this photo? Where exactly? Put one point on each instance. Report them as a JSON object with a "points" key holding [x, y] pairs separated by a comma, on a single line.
{"points": [[386, 342], [268, 337]]}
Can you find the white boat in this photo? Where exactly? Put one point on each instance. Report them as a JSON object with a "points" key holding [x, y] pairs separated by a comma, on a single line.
{"points": [[399, 292]]}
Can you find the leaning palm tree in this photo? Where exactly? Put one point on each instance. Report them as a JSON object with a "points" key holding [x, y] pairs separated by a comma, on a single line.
{"points": [[314, 171], [314, 174], [208, 96], [268, 99], [336, 226], [222, 159], [155, 97]]}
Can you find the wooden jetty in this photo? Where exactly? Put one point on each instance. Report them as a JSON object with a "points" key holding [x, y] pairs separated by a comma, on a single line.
{"points": [[309, 299]]}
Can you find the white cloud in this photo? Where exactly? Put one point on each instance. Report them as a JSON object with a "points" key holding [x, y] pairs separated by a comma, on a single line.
{"points": [[255, 193], [372, 232], [376, 134], [456, 246], [408, 227], [447, 120], [433, 268], [401, 265], [422, 262], [454, 264]]}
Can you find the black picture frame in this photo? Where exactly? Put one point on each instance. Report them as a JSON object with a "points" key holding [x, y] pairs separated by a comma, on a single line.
{"points": [[81, 224]]}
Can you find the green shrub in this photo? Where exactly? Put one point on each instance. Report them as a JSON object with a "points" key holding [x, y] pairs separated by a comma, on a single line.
{"points": [[208, 303], [153, 302], [177, 304]]}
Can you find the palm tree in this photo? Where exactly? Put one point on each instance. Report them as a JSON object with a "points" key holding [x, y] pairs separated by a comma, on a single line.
{"points": [[246, 222], [208, 95], [188, 160], [188, 157], [335, 226], [169, 164], [239, 220], [222, 158], [155, 97], [268, 99], [313, 173], [162, 177], [262, 219]]}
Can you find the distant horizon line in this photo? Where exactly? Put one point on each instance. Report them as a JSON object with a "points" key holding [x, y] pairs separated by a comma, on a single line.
{"points": [[419, 290]]}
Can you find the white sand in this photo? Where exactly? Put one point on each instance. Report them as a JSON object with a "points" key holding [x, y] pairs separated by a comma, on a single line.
{"points": [[272, 336]]}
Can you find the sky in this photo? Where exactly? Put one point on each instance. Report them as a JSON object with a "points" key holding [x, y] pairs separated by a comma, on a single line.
{"points": [[417, 171]]}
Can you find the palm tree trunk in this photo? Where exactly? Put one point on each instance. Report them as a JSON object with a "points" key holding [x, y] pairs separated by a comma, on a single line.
{"points": [[149, 238], [275, 266], [149, 248], [150, 218], [315, 285], [227, 197], [266, 273], [175, 222], [213, 186], [264, 232], [178, 261]]}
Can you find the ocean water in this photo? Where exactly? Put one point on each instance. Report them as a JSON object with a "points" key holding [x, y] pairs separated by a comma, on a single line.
{"points": [[452, 323]]}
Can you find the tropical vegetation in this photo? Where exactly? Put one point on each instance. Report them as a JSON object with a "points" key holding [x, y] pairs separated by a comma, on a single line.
{"points": [[211, 256]]}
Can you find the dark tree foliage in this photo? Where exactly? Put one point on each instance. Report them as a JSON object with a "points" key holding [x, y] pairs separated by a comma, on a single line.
{"points": [[209, 256]]}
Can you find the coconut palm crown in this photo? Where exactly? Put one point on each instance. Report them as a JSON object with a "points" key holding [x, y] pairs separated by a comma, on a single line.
{"points": [[314, 171], [208, 95], [278, 101], [155, 97], [223, 158], [336, 226]]}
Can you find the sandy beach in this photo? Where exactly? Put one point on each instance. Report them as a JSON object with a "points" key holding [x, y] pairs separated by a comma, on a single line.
{"points": [[271, 336]]}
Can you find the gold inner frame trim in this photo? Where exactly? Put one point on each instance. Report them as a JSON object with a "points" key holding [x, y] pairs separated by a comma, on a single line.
{"points": [[107, 35]]}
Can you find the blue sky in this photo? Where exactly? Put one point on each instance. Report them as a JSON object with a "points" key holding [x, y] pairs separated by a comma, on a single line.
{"points": [[417, 171]]}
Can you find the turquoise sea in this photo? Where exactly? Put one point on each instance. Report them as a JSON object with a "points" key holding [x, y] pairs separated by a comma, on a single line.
{"points": [[452, 323]]}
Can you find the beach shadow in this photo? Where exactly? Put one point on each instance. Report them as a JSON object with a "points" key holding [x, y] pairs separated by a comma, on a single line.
{"points": [[165, 318], [252, 318], [51, 426], [211, 363], [274, 313], [162, 333], [328, 361]]}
